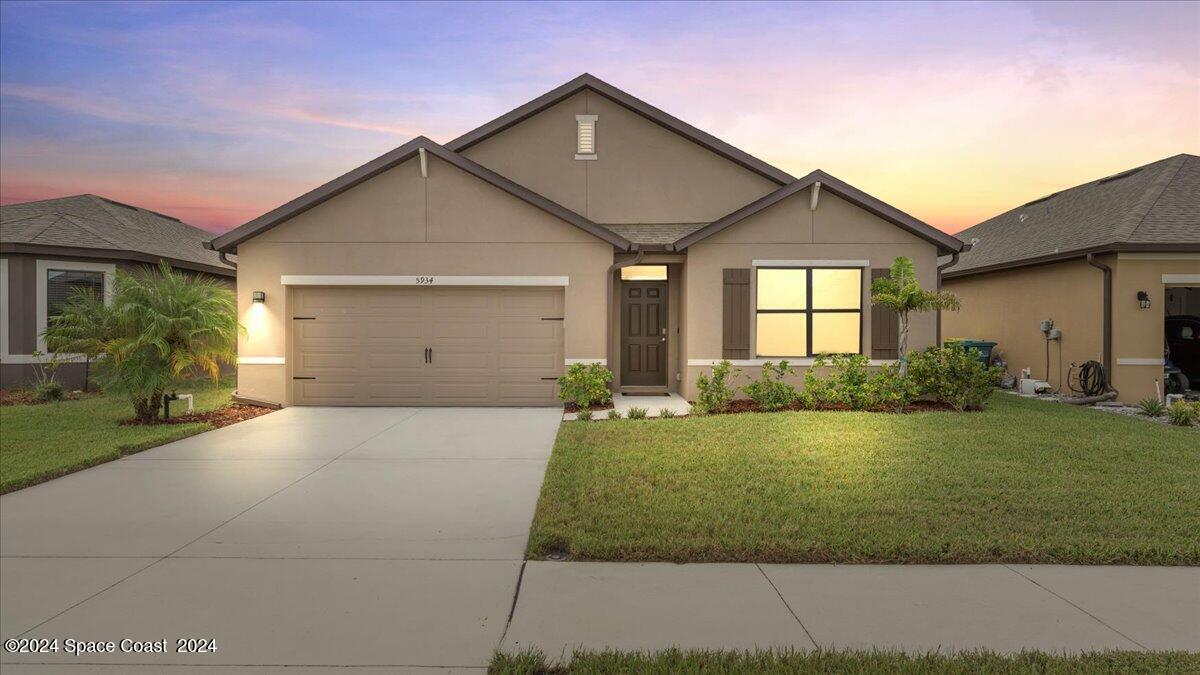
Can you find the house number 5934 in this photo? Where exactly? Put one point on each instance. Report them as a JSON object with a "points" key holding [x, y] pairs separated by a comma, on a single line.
{"points": [[424, 281]]}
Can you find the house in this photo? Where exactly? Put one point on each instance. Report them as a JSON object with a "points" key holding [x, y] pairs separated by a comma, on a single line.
{"points": [[585, 226], [50, 248], [1106, 262]]}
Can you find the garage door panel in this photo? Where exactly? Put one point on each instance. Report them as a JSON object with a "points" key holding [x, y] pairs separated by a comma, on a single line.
{"points": [[366, 346]]}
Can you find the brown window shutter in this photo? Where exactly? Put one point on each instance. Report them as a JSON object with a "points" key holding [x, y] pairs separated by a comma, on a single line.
{"points": [[735, 332], [885, 326]]}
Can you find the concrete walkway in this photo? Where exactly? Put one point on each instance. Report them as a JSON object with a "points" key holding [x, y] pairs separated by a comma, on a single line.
{"points": [[653, 405], [393, 540]]}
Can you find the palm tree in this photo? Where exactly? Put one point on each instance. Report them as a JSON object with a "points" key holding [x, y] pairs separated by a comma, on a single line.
{"points": [[901, 293], [161, 325]]}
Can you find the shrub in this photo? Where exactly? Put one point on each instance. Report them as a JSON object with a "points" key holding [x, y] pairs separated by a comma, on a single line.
{"points": [[614, 414], [665, 413], [1151, 407], [716, 392], [584, 415], [159, 326], [769, 391], [954, 375], [887, 388], [585, 384], [1182, 413], [697, 409], [846, 384], [47, 391], [636, 413]]}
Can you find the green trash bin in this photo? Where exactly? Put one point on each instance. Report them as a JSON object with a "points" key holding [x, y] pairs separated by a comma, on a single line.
{"points": [[984, 347]]}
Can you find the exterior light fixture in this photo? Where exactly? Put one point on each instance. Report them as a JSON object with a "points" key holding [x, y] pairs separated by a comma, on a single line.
{"points": [[1143, 299], [258, 296]]}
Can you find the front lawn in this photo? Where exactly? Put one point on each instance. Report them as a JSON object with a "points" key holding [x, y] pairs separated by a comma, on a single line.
{"points": [[1023, 481], [829, 661], [40, 442]]}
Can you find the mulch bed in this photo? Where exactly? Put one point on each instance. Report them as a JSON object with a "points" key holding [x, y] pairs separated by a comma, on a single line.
{"points": [[744, 405], [573, 408], [27, 397], [221, 417]]}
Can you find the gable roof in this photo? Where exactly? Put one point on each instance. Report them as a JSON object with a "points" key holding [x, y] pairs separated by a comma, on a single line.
{"points": [[230, 240], [590, 82], [88, 222], [945, 242], [1151, 207]]}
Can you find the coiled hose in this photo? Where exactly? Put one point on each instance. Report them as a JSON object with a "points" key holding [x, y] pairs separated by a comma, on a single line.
{"points": [[1091, 381]]}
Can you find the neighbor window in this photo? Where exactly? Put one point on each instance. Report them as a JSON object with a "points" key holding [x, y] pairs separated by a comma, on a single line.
{"points": [[803, 311], [62, 284], [585, 137]]}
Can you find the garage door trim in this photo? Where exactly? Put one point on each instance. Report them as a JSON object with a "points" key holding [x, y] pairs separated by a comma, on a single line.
{"points": [[417, 280]]}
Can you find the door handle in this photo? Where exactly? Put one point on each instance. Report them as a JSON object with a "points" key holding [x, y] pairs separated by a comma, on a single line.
{"points": [[427, 355], [431, 354]]}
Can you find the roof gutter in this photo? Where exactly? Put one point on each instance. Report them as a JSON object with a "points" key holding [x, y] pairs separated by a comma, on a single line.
{"points": [[1107, 314], [949, 263]]}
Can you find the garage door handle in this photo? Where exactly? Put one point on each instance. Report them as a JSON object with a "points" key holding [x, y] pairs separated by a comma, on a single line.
{"points": [[431, 354]]}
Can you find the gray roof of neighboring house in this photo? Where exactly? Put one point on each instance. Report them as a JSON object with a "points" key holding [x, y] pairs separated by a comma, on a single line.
{"points": [[653, 233], [1151, 207], [92, 222]]}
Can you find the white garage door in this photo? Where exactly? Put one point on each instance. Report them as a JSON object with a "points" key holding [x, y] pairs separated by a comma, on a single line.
{"points": [[426, 346]]}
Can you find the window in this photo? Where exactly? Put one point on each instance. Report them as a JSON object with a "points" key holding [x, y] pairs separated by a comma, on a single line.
{"points": [[644, 273], [585, 137], [62, 284], [804, 311]]}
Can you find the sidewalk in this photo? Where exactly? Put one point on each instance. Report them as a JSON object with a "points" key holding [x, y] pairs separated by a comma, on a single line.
{"points": [[917, 608]]}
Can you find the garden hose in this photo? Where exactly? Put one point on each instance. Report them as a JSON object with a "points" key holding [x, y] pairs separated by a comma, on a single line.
{"points": [[1090, 381]]}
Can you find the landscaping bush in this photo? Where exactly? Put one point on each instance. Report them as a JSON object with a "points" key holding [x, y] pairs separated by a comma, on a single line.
{"points": [[614, 414], [585, 384], [846, 383], [665, 413], [636, 413], [889, 389], [1151, 407], [584, 415], [160, 326], [954, 375], [716, 392], [48, 391], [1182, 413], [769, 391]]}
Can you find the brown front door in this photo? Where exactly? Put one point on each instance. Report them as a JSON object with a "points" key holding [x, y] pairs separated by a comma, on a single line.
{"points": [[644, 333]]}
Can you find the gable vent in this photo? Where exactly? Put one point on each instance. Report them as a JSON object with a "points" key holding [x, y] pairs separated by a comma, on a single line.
{"points": [[585, 137]]}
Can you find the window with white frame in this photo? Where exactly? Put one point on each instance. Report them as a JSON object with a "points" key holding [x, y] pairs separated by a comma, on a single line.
{"points": [[802, 311], [59, 280]]}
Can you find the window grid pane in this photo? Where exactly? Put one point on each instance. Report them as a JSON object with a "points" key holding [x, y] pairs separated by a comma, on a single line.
{"points": [[782, 288], [805, 311], [782, 334], [835, 332], [837, 289], [62, 284]]}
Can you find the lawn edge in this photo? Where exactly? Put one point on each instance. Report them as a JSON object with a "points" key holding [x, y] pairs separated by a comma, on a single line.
{"points": [[121, 451]]}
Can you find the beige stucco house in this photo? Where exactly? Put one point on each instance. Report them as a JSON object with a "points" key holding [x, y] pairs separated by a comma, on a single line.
{"points": [[584, 226], [1106, 261]]}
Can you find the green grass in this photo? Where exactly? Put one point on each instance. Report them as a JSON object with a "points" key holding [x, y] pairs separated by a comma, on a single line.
{"points": [[40, 442], [824, 661], [1023, 481]]}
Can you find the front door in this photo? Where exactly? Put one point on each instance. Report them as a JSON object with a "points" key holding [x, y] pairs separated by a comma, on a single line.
{"points": [[644, 333]]}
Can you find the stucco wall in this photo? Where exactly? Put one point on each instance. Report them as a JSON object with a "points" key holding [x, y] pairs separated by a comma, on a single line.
{"points": [[789, 230], [399, 223], [643, 172], [1138, 333]]}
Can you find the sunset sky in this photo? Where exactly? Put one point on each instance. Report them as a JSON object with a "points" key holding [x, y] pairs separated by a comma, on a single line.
{"points": [[216, 113]]}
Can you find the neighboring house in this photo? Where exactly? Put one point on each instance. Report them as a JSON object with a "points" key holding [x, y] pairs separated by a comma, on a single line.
{"points": [[585, 226], [1106, 261], [50, 248]]}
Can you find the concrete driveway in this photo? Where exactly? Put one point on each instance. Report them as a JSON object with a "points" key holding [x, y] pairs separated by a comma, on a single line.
{"points": [[311, 536]]}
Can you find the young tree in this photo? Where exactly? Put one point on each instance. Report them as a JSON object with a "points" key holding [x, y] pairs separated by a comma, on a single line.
{"points": [[160, 325], [901, 293]]}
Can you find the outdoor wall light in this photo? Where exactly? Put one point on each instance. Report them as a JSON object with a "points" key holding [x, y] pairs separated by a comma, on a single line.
{"points": [[261, 296], [1143, 299]]}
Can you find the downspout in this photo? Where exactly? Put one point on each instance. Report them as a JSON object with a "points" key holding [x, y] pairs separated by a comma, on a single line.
{"points": [[1106, 343], [608, 308], [950, 263]]}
